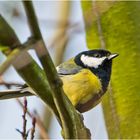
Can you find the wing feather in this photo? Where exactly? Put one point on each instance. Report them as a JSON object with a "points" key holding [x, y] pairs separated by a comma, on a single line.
{"points": [[68, 68]]}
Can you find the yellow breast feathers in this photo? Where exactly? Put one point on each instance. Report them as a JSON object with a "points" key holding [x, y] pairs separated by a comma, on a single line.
{"points": [[81, 87]]}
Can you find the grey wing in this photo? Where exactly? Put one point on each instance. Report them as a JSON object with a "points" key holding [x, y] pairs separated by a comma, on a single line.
{"points": [[67, 68]]}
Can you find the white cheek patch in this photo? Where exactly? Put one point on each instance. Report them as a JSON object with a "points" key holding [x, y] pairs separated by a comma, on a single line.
{"points": [[57, 68], [92, 61]]}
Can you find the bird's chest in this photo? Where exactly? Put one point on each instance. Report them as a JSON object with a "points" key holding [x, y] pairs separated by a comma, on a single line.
{"points": [[81, 87]]}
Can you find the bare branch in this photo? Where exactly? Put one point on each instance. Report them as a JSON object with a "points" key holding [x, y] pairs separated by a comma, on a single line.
{"points": [[39, 123], [33, 128], [24, 133]]}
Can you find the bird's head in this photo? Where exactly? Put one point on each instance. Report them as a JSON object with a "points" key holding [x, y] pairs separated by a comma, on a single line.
{"points": [[95, 59], [99, 61]]}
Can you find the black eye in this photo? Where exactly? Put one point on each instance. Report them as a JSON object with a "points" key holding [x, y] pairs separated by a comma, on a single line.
{"points": [[108, 54], [97, 55]]}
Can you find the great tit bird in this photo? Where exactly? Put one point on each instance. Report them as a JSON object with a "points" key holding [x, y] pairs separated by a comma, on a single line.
{"points": [[85, 78]]}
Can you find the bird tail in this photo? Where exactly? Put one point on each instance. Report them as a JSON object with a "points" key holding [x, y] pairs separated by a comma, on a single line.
{"points": [[14, 93]]}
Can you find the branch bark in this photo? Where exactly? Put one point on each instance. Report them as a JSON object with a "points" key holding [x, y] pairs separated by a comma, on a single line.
{"points": [[39, 123], [47, 85], [71, 122], [25, 65]]}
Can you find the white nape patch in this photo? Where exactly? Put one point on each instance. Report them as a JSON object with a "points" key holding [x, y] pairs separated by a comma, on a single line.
{"points": [[92, 61], [57, 68]]}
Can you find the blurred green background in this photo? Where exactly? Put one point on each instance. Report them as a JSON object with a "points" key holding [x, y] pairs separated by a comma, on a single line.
{"points": [[116, 26]]}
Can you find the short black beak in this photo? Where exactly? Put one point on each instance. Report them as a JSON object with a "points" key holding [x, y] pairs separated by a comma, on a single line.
{"points": [[113, 55]]}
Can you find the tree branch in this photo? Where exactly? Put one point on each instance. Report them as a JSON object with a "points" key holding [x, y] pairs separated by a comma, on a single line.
{"points": [[28, 69], [39, 123], [71, 122]]}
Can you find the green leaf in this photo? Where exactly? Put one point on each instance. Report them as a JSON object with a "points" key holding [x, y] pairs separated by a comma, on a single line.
{"points": [[90, 11], [122, 36], [120, 26]]}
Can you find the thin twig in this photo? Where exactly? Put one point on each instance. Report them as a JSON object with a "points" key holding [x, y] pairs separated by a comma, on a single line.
{"points": [[39, 123], [24, 133], [33, 128], [22, 106]]}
